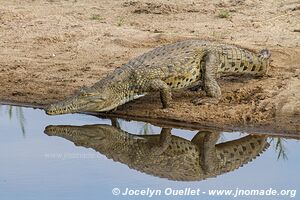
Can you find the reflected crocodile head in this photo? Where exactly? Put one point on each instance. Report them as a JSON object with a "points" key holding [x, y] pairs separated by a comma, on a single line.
{"points": [[174, 158]]}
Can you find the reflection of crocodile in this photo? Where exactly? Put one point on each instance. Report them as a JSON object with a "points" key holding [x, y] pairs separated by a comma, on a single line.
{"points": [[165, 155]]}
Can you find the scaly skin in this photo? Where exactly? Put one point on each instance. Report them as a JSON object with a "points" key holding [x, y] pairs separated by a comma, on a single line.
{"points": [[170, 67], [165, 155]]}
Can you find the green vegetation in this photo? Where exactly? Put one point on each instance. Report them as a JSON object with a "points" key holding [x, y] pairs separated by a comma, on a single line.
{"points": [[96, 17], [224, 14], [120, 21]]}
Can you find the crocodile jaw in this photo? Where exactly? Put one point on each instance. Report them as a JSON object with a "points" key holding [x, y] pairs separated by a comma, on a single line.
{"points": [[72, 105], [80, 104], [64, 108]]}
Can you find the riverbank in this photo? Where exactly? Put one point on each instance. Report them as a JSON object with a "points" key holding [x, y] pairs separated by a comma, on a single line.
{"points": [[49, 49]]}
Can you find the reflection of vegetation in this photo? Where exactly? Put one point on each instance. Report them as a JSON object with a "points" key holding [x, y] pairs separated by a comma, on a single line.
{"points": [[222, 138], [146, 129], [280, 148], [10, 110]]}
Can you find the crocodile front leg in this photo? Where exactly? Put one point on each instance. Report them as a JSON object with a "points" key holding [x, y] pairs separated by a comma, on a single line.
{"points": [[164, 89], [210, 83], [115, 123]]}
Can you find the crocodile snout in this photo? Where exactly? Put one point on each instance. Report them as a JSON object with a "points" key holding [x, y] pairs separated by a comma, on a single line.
{"points": [[50, 110]]}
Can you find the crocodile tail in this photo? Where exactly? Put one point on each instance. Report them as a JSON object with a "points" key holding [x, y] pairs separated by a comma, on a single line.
{"points": [[264, 54], [236, 153], [235, 60], [263, 58]]}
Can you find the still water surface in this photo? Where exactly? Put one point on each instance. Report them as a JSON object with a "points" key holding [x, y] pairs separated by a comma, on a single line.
{"points": [[84, 157]]}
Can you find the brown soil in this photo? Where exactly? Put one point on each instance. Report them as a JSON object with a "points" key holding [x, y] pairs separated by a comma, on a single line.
{"points": [[48, 49]]}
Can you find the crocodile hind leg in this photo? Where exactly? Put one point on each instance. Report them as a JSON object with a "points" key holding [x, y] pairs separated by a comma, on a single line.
{"points": [[198, 87], [210, 83], [164, 142], [164, 89], [206, 140]]}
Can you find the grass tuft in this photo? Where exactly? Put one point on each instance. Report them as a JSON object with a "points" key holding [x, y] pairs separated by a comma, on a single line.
{"points": [[120, 21], [224, 14], [96, 17]]}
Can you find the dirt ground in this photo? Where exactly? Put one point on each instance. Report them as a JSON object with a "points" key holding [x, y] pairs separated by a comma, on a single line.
{"points": [[49, 49]]}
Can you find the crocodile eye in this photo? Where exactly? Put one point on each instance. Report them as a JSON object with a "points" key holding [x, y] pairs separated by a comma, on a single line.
{"points": [[84, 94], [102, 98]]}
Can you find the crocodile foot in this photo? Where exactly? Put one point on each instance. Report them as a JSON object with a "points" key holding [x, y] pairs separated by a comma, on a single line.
{"points": [[165, 140], [196, 88], [204, 101], [169, 105]]}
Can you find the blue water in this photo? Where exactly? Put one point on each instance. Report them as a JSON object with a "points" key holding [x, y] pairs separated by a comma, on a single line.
{"points": [[37, 166]]}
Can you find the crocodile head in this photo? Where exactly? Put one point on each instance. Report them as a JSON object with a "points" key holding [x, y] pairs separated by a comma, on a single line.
{"points": [[85, 100], [80, 134]]}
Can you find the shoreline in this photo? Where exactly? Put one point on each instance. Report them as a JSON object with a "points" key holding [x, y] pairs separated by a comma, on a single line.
{"points": [[181, 124]]}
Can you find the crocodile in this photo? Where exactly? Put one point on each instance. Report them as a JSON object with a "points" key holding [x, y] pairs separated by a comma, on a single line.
{"points": [[170, 67], [165, 155]]}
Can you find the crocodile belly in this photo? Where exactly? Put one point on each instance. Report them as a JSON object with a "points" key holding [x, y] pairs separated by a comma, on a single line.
{"points": [[184, 81]]}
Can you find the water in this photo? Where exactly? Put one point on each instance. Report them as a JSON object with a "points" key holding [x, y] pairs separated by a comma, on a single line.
{"points": [[38, 165]]}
